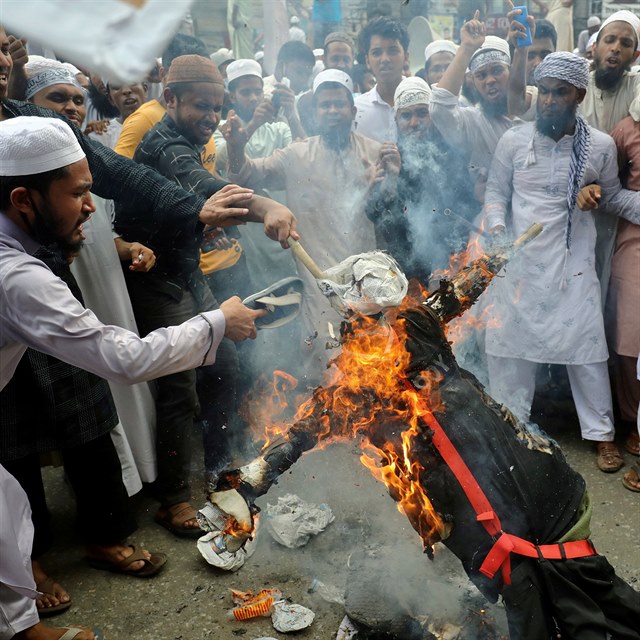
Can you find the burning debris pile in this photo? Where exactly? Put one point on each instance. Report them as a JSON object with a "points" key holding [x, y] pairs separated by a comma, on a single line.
{"points": [[385, 378], [461, 468]]}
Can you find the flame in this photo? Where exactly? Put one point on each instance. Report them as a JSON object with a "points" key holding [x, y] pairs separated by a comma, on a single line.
{"points": [[367, 397]]}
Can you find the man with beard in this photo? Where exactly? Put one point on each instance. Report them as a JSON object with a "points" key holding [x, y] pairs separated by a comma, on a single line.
{"points": [[548, 302], [45, 198], [475, 131], [416, 212], [326, 179], [612, 88], [385, 43], [613, 93], [176, 288]]}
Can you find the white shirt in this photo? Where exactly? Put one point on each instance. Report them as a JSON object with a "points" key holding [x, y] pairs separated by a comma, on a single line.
{"points": [[604, 109], [37, 310], [375, 118], [546, 301], [468, 129]]}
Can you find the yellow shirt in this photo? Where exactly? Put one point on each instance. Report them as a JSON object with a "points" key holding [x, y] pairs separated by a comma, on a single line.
{"points": [[133, 130]]}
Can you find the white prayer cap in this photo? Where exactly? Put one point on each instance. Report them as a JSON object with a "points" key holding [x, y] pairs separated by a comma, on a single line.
{"points": [[333, 75], [259, 56], [243, 67], [410, 92], [44, 72], [32, 145], [493, 50], [629, 18], [221, 56], [318, 53], [439, 46], [73, 69], [593, 21], [294, 20], [592, 40], [565, 66]]}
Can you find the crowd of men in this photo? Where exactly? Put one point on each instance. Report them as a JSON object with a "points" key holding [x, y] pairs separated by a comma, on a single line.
{"points": [[135, 218]]}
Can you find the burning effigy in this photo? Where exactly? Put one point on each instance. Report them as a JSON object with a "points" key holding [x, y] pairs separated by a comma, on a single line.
{"points": [[463, 469]]}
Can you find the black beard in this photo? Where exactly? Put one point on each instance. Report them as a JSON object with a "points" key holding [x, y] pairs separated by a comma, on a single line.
{"points": [[337, 139], [494, 109], [556, 127], [102, 104], [609, 79], [46, 235]]}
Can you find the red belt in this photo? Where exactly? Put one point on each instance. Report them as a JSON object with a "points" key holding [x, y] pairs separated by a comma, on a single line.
{"points": [[505, 544], [500, 555]]}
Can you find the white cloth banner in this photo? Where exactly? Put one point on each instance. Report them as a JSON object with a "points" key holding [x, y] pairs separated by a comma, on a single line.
{"points": [[118, 39]]}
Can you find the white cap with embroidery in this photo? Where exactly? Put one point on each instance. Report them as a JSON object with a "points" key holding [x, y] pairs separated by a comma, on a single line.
{"points": [[32, 145]]}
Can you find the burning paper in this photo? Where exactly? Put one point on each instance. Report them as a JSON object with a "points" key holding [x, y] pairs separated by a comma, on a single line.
{"points": [[292, 521], [291, 617], [118, 39]]}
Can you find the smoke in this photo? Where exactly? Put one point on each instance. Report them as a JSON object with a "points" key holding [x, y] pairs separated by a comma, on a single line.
{"points": [[371, 554]]}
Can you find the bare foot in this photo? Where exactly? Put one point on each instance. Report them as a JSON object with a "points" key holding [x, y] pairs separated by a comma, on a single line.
{"points": [[40, 632], [116, 553], [53, 593]]}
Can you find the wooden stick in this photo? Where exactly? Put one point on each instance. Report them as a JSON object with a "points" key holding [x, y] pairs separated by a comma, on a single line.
{"points": [[534, 230], [306, 259]]}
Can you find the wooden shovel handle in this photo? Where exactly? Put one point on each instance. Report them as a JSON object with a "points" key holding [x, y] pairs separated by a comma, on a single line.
{"points": [[306, 259]]}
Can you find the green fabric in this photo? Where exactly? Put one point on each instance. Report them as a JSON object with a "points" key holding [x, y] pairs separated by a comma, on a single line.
{"points": [[581, 530]]}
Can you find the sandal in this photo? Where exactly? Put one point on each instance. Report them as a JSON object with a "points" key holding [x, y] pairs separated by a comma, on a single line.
{"points": [[151, 565], [631, 479], [47, 588], [73, 632], [173, 519], [609, 457], [632, 443]]}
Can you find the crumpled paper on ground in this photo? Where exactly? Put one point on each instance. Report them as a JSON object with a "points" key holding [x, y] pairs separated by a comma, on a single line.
{"points": [[367, 282], [222, 559], [287, 617], [292, 521]]}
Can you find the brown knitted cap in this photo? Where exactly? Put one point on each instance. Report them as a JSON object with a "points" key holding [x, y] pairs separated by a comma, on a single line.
{"points": [[193, 69]]}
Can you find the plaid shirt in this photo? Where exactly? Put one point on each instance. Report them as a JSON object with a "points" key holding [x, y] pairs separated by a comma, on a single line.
{"points": [[49, 404], [177, 247]]}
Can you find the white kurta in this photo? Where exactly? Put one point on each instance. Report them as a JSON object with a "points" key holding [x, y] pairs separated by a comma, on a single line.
{"points": [[99, 274], [326, 190], [539, 318], [17, 586]]}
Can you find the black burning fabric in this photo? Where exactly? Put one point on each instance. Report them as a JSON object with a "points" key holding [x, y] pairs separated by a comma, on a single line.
{"points": [[525, 476]]}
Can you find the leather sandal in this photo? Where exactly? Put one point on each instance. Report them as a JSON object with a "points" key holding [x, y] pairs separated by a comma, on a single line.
{"points": [[632, 443], [173, 519], [631, 479], [609, 457], [151, 565]]}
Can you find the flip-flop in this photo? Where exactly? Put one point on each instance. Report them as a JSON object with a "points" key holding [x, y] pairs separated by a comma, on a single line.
{"points": [[166, 518], [151, 566], [282, 300], [46, 587], [73, 632]]}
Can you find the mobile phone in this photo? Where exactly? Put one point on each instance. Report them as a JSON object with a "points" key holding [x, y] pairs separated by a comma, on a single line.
{"points": [[522, 19]]}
